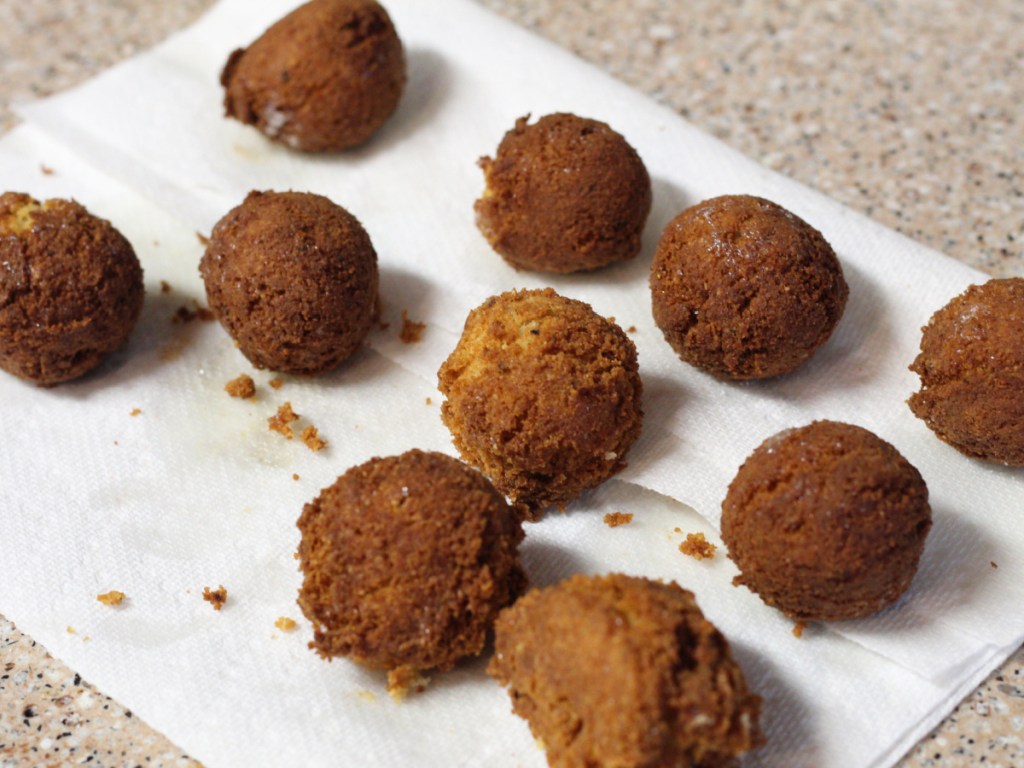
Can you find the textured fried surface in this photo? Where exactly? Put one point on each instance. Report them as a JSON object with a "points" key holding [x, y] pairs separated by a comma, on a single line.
{"points": [[563, 195], [293, 278], [826, 521], [971, 366], [325, 77], [407, 561], [626, 672], [543, 395], [744, 289], [70, 289]]}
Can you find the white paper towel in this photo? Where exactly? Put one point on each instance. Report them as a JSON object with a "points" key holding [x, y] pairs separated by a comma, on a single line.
{"points": [[196, 491]]}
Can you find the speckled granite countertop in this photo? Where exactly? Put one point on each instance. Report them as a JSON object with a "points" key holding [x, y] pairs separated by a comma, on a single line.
{"points": [[906, 111]]}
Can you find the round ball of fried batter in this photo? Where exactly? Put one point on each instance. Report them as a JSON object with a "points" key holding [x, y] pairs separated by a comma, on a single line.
{"points": [[827, 521], [543, 395], [407, 561], [293, 278], [971, 366], [563, 195], [744, 289], [624, 671], [325, 77], [70, 289]]}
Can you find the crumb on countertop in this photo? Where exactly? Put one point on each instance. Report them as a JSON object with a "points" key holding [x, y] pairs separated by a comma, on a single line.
{"points": [[241, 386], [215, 597], [311, 437], [615, 519], [412, 331], [697, 547], [281, 421], [285, 624], [113, 597]]}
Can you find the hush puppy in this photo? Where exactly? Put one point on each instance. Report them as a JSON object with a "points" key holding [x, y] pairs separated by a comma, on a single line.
{"points": [[623, 671], [563, 195], [70, 289], [407, 561], [744, 289], [826, 522], [323, 78], [293, 278], [971, 366], [543, 395]]}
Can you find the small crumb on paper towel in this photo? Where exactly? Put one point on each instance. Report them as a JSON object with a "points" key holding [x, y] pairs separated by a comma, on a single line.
{"points": [[697, 547], [113, 597], [215, 597], [615, 519]]}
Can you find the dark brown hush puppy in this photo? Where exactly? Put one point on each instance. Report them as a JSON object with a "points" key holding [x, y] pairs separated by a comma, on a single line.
{"points": [[826, 522], [293, 278], [323, 78], [563, 195], [70, 289], [744, 289], [972, 372]]}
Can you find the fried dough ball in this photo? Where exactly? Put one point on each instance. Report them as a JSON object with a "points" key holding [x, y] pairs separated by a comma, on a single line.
{"points": [[971, 366], [323, 78], [563, 195], [744, 289], [293, 278], [626, 672], [407, 561], [543, 395], [826, 521], [70, 289]]}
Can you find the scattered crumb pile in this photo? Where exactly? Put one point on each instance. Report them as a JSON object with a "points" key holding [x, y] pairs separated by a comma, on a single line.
{"points": [[311, 437], [696, 546], [615, 519], [113, 597], [412, 331], [243, 386], [281, 422], [215, 597]]}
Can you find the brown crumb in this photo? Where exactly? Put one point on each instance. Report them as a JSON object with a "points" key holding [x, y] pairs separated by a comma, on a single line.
{"points": [[215, 597], [281, 421], [696, 546], [71, 630], [242, 386], [404, 680], [276, 383], [185, 315], [429, 401], [311, 437], [615, 519], [677, 529], [203, 239], [135, 412], [295, 476], [46, 170], [165, 287], [798, 629], [412, 331], [113, 597], [631, 329], [992, 563], [285, 624]]}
